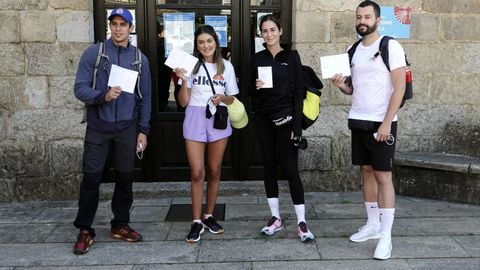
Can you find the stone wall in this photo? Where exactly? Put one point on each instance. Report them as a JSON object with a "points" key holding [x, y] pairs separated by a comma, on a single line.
{"points": [[42, 40], [40, 137], [444, 50]]}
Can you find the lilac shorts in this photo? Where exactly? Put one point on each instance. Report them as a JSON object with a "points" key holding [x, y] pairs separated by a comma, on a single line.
{"points": [[197, 127]]}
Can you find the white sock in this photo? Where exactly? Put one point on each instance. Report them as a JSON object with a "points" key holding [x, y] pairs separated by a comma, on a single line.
{"points": [[300, 211], [205, 216], [273, 204], [197, 221], [386, 218], [373, 213]]}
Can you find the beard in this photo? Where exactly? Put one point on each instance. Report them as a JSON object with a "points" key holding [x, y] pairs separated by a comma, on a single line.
{"points": [[369, 30]]}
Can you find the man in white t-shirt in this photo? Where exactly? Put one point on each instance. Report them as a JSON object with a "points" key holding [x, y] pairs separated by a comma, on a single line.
{"points": [[376, 97]]}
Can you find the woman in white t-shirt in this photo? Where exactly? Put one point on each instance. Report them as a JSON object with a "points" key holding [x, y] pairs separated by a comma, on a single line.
{"points": [[198, 130]]}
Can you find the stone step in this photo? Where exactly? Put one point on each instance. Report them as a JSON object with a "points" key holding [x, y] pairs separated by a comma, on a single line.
{"points": [[156, 189]]}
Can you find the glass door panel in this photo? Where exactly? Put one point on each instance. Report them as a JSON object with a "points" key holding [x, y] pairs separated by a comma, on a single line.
{"points": [[267, 3], [175, 2], [122, 2], [195, 2], [175, 23], [215, 2]]}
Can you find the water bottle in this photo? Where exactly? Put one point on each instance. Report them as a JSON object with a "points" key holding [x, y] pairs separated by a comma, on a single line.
{"points": [[408, 84]]}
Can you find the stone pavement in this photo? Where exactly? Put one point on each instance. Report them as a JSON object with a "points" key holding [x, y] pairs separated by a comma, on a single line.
{"points": [[427, 235]]}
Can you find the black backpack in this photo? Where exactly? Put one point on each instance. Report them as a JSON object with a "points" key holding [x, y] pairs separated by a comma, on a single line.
{"points": [[311, 101], [383, 52]]}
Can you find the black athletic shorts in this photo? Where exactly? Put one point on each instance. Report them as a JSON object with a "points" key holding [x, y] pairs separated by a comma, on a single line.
{"points": [[367, 151]]}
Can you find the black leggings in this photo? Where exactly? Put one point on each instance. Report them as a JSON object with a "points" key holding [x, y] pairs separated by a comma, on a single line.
{"points": [[269, 137]]}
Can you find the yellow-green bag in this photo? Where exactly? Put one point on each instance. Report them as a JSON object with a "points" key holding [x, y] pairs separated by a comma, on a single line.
{"points": [[312, 84], [238, 115], [311, 102], [311, 109]]}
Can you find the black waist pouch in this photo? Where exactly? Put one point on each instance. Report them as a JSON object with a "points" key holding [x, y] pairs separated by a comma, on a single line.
{"points": [[362, 125], [221, 118]]}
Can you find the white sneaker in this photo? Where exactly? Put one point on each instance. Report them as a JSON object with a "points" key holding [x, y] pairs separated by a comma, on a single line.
{"points": [[304, 233], [274, 225], [384, 248], [365, 233]]}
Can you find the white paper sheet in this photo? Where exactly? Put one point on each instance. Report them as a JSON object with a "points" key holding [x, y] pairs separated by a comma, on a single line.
{"points": [[265, 74], [335, 64], [180, 59], [212, 107], [125, 78]]}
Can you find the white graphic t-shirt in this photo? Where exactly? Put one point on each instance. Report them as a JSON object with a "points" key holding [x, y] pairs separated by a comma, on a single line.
{"points": [[225, 84], [372, 82]]}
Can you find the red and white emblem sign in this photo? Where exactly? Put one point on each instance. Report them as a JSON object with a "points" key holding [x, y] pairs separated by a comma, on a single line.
{"points": [[403, 14]]}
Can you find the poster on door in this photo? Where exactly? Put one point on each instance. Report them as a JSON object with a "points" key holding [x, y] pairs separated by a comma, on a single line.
{"points": [[395, 21], [219, 23], [179, 30]]}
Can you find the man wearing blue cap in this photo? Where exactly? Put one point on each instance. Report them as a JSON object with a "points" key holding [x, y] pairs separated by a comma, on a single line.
{"points": [[115, 119]]}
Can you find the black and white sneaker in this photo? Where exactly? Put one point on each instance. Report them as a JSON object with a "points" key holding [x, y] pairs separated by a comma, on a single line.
{"points": [[195, 233], [211, 224], [273, 225], [304, 233]]}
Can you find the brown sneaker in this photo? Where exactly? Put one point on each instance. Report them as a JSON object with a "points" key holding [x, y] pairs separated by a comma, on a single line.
{"points": [[126, 233], [84, 241]]}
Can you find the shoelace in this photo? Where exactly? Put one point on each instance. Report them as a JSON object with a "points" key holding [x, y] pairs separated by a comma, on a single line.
{"points": [[362, 228], [126, 230], [82, 237], [271, 221], [303, 227], [197, 225], [211, 220]]}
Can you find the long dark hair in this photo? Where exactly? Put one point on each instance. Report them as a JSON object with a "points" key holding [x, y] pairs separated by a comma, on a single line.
{"points": [[217, 57], [270, 17], [276, 21]]}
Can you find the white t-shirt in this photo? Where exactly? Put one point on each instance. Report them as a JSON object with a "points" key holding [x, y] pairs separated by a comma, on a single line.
{"points": [[372, 82], [200, 86]]}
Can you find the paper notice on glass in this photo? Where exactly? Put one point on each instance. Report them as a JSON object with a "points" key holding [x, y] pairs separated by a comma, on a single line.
{"points": [[335, 64], [265, 75], [259, 44], [179, 30], [180, 59], [125, 78]]}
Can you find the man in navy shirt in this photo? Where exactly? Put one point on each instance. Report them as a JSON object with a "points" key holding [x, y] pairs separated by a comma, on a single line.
{"points": [[115, 119]]}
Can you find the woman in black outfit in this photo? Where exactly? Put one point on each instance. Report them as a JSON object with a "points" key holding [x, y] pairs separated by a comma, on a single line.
{"points": [[278, 122]]}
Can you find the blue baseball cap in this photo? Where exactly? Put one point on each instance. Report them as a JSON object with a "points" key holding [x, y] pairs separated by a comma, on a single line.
{"points": [[124, 13]]}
